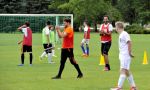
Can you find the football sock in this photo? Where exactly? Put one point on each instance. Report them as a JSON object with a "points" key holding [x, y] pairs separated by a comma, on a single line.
{"points": [[78, 69], [53, 52], [131, 80], [49, 57], [22, 58], [31, 57], [43, 54], [121, 80], [83, 50], [87, 49]]}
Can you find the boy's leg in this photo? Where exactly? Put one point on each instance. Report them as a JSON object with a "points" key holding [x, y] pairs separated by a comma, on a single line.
{"points": [[31, 58], [82, 46], [62, 63], [73, 62], [50, 54], [131, 80], [87, 47], [122, 78], [105, 53], [23, 49]]}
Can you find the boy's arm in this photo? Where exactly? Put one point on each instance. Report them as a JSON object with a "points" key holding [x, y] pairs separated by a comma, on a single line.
{"points": [[23, 26], [20, 42], [129, 48], [60, 34]]}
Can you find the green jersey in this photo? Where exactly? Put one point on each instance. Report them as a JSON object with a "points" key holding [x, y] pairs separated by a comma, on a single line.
{"points": [[45, 32], [52, 37]]}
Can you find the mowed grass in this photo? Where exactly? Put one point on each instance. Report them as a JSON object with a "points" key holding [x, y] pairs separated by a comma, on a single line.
{"points": [[38, 76]]}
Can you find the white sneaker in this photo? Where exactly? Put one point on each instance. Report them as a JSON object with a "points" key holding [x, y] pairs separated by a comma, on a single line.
{"points": [[54, 56], [117, 88], [133, 88], [40, 58], [51, 62]]}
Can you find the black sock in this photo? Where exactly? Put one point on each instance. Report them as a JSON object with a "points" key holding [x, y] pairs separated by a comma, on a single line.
{"points": [[108, 66], [31, 57], [61, 68], [78, 69], [22, 58]]}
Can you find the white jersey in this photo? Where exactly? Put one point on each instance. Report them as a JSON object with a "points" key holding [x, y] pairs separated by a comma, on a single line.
{"points": [[124, 56], [85, 28], [123, 46]]}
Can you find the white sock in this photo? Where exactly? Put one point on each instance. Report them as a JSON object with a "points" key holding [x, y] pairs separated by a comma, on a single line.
{"points": [[121, 80], [131, 80], [43, 54], [49, 57], [53, 52]]}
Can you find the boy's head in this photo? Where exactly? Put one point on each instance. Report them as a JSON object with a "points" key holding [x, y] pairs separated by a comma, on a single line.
{"points": [[48, 23], [119, 26], [85, 23], [52, 27], [105, 19], [27, 24], [67, 22]]}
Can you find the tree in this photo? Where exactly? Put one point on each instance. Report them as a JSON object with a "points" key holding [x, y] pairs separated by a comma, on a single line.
{"points": [[134, 11], [90, 10]]}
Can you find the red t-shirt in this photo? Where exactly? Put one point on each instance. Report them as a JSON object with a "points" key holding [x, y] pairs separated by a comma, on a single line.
{"points": [[27, 38], [88, 33], [68, 40], [105, 37]]}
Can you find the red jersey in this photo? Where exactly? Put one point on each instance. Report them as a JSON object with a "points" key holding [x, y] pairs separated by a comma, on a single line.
{"points": [[27, 38], [105, 37], [68, 40], [87, 32]]}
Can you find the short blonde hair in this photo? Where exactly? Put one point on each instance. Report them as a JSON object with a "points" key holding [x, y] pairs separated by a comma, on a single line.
{"points": [[119, 24]]}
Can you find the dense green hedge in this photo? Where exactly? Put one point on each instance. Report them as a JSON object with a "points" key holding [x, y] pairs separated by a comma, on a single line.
{"points": [[136, 29]]}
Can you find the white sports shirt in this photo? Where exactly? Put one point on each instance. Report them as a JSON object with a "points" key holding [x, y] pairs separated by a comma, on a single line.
{"points": [[85, 28], [46, 30], [123, 46]]}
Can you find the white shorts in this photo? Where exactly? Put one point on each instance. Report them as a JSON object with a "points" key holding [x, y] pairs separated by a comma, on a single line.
{"points": [[85, 41], [125, 61]]}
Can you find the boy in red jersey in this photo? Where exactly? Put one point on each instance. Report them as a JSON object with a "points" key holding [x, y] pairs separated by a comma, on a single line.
{"points": [[27, 42], [86, 39], [105, 33]]}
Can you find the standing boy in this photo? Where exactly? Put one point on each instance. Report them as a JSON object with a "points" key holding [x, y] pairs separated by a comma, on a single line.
{"points": [[105, 33], [125, 56], [67, 49], [46, 43], [26, 43], [85, 40]]}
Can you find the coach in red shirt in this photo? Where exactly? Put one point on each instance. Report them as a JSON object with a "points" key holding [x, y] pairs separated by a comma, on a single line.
{"points": [[105, 33]]}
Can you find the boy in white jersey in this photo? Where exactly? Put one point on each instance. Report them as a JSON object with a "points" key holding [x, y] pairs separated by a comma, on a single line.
{"points": [[125, 56]]}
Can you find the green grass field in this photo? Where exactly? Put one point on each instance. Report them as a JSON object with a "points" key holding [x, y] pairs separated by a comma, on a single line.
{"points": [[38, 76]]}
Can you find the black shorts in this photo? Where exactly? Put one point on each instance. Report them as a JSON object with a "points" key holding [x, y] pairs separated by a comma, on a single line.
{"points": [[46, 46], [67, 52], [105, 47], [27, 48]]}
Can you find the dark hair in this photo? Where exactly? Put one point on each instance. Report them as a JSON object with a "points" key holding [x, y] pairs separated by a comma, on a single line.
{"points": [[67, 20], [27, 24], [106, 16], [48, 22], [87, 23]]}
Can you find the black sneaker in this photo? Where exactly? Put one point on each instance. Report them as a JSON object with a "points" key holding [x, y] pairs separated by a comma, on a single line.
{"points": [[80, 76], [56, 77]]}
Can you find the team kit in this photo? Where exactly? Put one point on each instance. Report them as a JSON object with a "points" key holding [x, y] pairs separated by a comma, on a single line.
{"points": [[67, 50]]}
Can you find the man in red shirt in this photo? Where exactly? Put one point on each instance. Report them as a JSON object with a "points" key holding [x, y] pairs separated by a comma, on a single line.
{"points": [[67, 48], [86, 39], [27, 42], [105, 33]]}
